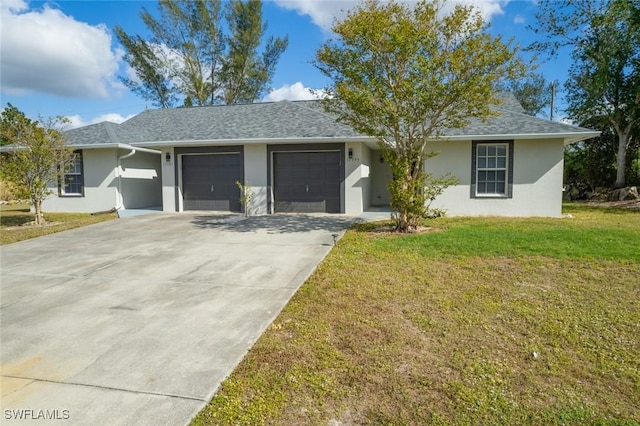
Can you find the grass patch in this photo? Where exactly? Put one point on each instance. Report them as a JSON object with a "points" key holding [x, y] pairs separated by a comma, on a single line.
{"points": [[485, 321], [14, 220], [590, 233]]}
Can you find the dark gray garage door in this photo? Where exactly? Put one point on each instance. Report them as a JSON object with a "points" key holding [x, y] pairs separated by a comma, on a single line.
{"points": [[209, 181], [307, 182]]}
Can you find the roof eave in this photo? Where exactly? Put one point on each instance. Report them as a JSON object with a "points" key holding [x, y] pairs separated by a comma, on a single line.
{"points": [[115, 146], [253, 141], [576, 138], [567, 137]]}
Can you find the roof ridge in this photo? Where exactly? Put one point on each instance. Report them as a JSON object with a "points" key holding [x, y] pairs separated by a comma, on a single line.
{"points": [[109, 126], [323, 113]]}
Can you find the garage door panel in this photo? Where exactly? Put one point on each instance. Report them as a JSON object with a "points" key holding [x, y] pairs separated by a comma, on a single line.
{"points": [[294, 158], [301, 206], [209, 181], [299, 174], [197, 191], [333, 171], [307, 182], [317, 159], [317, 189], [286, 175], [316, 206], [316, 174], [218, 205], [290, 207]]}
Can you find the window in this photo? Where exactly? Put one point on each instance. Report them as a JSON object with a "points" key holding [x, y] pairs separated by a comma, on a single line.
{"points": [[73, 179], [492, 169]]}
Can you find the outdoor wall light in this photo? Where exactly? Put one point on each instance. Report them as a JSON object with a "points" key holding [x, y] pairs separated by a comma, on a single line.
{"points": [[167, 157], [350, 154]]}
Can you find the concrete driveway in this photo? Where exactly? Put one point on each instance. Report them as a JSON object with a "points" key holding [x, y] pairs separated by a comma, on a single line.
{"points": [[138, 320]]}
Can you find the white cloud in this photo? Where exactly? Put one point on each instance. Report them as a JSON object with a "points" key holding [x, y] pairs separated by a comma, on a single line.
{"points": [[566, 120], [294, 92], [46, 51], [323, 13], [76, 121], [131, 74], [488, 8], [13, 5], [112, 117], [73, 122], [519, 19]]}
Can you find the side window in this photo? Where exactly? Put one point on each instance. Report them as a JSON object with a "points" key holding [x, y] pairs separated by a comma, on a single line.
{"points": [[72, 184], [492, 169]]}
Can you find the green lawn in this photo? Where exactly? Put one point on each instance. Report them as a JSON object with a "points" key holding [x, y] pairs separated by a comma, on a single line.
{"points": [[482, 321], [14, 217]]}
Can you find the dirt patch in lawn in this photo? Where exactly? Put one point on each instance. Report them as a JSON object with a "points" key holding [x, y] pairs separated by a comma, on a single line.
{"points": [[390, 230]]}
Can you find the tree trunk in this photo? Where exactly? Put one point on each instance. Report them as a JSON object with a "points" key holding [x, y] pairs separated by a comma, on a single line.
{"points": [[402, 222], [37, 205], [621, 160]]}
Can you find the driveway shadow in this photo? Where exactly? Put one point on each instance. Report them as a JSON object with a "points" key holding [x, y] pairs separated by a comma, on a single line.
{"points": [[274, 224]]}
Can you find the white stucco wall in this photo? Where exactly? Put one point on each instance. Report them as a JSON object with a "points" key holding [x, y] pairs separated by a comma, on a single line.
{"points": [[100, 186], [380, 178], [537, 180], [255, 176], [141, 183], [168, 180], [365, 168], [150, 180], [357, 178], [141, 180]]}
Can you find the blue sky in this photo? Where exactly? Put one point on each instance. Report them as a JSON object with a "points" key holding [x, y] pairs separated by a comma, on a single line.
{"points": [[61, 58]]}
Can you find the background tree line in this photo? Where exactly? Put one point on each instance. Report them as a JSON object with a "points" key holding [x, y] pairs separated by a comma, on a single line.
{"points": [[603, 87], [589, 164]]}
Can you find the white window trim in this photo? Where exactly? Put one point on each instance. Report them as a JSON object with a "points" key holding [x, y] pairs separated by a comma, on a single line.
{"points": [[509, 145], [80, 174]]}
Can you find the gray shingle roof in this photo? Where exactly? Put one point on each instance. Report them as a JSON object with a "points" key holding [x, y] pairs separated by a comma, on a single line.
{"points": [[286, 120], [93, 134], [514, 123], [251, 121]]}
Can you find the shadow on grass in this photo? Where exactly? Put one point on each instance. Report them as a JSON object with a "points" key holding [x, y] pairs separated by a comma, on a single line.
{"points": [[372, 226], [15, 215], [15, 220], [584, 207]]}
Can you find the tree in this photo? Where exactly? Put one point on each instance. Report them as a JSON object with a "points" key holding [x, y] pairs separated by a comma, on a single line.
{"points": [[152, 81], [190, 57], [532, 91], [405, 75], [37, 156], [591, 164], [604, 80], [244, 72]]}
